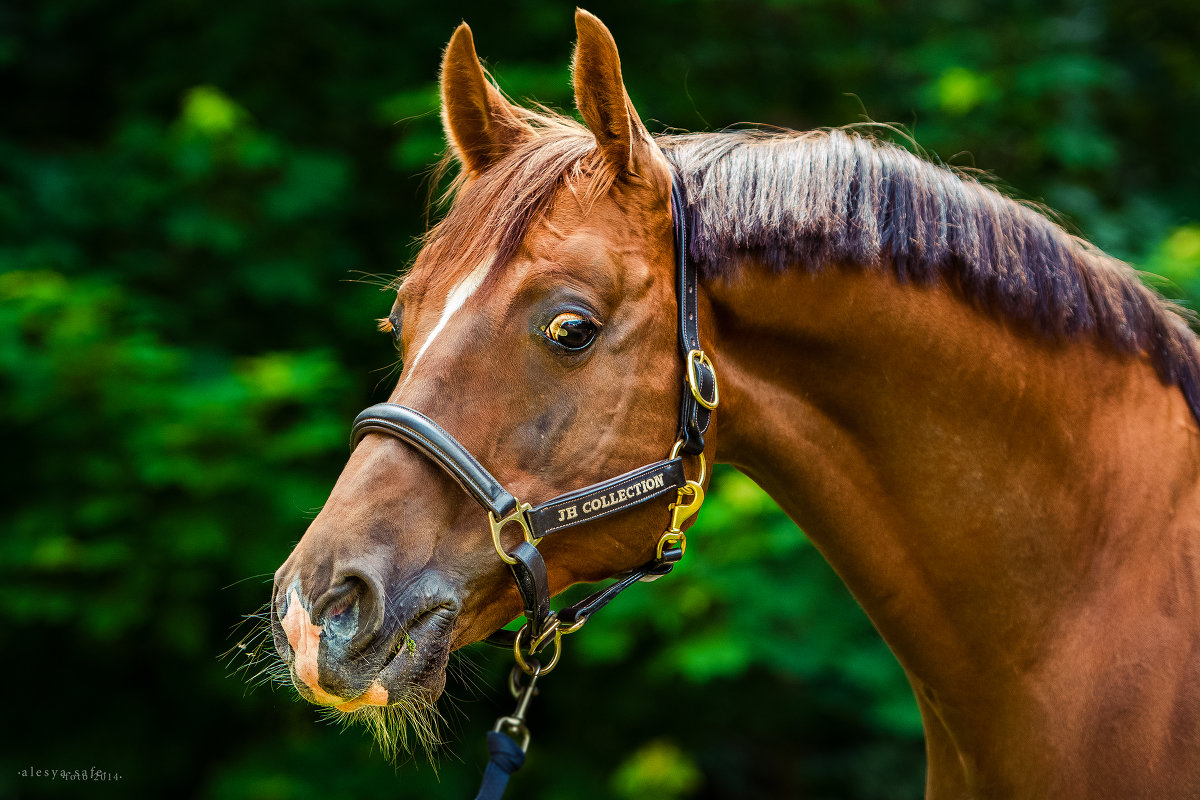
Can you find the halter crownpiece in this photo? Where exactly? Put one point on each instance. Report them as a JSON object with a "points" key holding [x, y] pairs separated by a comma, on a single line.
{"points": [[544, 627]]}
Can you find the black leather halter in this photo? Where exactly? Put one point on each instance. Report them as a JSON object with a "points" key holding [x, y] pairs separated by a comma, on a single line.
{"points": [[660, 479]]}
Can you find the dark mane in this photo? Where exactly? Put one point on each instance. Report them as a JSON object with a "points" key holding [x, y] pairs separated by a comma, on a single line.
{"points": [[803, 200]]}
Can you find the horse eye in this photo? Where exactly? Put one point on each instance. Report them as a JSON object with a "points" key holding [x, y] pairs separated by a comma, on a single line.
{"points": [[571, 331]]}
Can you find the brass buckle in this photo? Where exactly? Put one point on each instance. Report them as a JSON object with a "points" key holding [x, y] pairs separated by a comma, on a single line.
{"points": [[518, 517], [695, 357], [680, 513]]}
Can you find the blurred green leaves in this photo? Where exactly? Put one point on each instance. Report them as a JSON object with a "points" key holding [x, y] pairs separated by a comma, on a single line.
{"points": [[414, 113], [752, 594], [129, 500]]}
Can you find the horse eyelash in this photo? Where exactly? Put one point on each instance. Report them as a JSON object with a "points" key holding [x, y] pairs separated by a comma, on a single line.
{"points": [[388, 325]]}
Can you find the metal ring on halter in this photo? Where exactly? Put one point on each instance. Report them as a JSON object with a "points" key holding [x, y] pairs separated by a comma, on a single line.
{"points": [[525, 666], [695, 357], [519, 517], [703, 466]]}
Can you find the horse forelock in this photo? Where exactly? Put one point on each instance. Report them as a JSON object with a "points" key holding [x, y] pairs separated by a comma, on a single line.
{"points": [[794, 200], [491, 212]]}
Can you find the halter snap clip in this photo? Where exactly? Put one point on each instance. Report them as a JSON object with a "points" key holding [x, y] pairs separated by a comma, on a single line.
{"points": [[681, 512]]}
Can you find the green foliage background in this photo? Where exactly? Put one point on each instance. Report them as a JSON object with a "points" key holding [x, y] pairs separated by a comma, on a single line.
{"points": [[188, 193]]}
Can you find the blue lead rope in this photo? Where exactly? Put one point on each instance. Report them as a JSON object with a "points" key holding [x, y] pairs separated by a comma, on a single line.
{"points": [[507, 758], [509, 740]]}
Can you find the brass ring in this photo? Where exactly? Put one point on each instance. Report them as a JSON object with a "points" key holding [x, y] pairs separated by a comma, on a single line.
{"points": [[550, 630], [703, 466], [539, 669]]}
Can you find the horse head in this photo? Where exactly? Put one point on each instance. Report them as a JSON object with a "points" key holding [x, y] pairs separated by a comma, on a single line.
{"points": [[537, 327]]}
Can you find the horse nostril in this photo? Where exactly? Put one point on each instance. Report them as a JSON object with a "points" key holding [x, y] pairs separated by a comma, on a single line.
{"points": [[349, 612], [338, 610], [340, 607]]}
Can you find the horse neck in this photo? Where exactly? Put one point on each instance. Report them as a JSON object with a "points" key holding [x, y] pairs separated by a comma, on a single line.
{"points": [[967, 479]]}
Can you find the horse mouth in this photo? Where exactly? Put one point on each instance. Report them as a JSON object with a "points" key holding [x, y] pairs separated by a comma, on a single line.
{"points": [[417, 660], [411, 661]]}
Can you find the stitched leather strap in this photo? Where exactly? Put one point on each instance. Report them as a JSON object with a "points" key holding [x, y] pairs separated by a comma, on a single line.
{"points": [[610, 497], [533, 584], [598, 600], [427, 436], [650, 571], [693, 417]]}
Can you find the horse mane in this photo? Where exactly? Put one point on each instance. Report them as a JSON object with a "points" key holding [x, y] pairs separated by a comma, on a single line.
{"points": [[802, 200], [793, 200]]}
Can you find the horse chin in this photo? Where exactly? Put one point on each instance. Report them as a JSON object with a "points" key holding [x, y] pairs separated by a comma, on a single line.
{"points": [[407, 721]]}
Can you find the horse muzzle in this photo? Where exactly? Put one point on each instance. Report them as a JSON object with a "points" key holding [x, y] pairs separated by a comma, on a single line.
{"points": [[355, 645]]}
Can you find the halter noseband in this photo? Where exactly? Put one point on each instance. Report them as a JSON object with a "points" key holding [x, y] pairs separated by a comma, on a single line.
{"points": [[600, 500]]}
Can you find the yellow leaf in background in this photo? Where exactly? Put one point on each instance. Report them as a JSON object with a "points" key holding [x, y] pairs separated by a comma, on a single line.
{"points": [[1177, 257], [209, 111], [660, 769], [959, 90]]}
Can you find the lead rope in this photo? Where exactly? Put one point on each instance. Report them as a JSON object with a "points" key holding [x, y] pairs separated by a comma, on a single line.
{"points": [[507, 756]]}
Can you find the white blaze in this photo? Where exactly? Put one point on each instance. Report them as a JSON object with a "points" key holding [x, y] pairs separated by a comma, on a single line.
{"points": [[454, 301]]}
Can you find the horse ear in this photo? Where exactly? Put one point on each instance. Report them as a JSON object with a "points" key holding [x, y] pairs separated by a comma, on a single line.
{"points": [[601, 98], [481, 125]]}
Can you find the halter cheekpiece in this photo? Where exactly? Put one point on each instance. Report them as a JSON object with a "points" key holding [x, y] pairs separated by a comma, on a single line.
{"points": [[543, 627]]}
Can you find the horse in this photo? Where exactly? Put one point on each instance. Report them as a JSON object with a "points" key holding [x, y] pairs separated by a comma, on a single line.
{"points": [[987, 426]]}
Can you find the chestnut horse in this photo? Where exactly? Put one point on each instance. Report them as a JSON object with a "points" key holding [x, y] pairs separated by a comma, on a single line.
{"points": [[988, 427]]}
